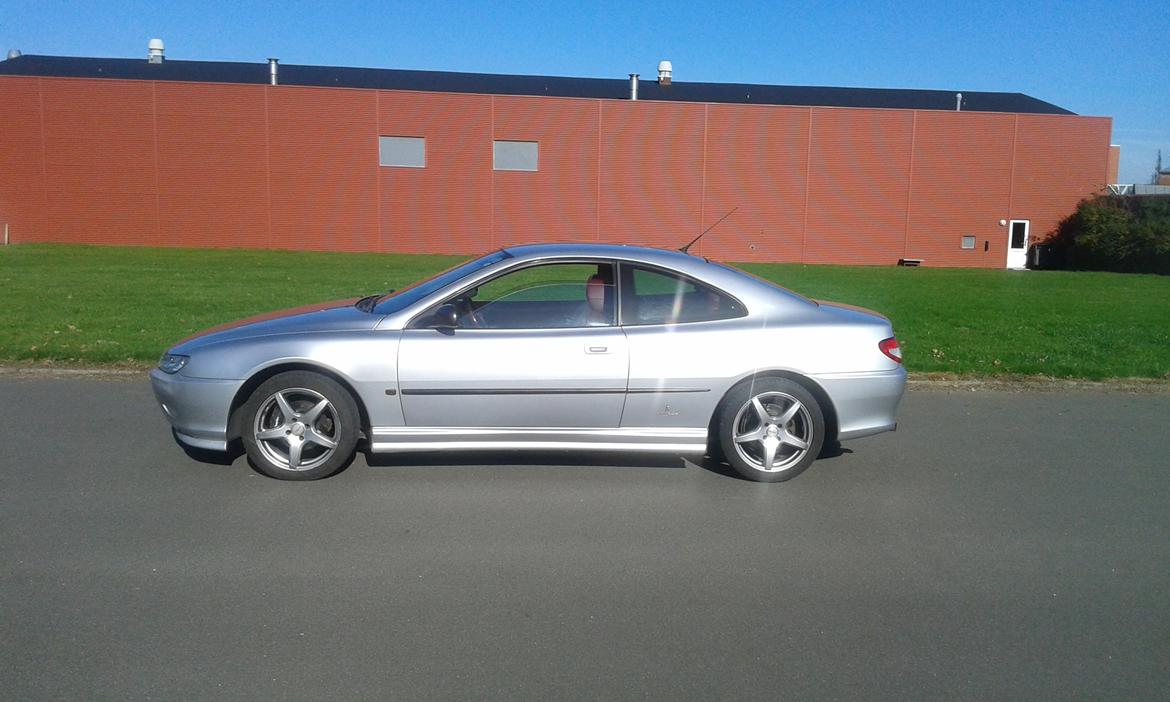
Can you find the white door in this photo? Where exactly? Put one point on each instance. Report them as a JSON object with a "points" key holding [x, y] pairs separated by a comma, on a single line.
{"points": [[1017, 256]]}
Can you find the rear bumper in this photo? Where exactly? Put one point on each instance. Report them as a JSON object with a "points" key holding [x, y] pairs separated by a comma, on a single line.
{"points": [[866, 403], [197, 408]]}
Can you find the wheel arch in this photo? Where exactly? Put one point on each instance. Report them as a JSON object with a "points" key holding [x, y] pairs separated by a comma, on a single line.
{"points": [[257, 378], [828, 409]]}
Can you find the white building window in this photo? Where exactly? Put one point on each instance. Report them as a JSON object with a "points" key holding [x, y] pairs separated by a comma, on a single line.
{"points": [[402, 152], [515, 155]]}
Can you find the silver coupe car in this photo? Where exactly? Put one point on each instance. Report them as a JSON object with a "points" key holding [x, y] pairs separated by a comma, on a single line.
{"points": [[572, 347]]}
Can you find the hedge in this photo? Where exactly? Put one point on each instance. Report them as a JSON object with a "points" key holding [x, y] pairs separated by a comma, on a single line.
{"points": [[1125, 234]]}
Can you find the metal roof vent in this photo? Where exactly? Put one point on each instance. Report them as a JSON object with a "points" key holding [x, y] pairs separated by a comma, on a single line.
{"points": [[664, 70], [633, 86], [13, 54], [272, 77], [154, 51]]}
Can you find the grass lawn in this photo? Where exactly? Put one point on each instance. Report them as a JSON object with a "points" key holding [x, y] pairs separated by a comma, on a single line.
{"points": [[85, 304]]}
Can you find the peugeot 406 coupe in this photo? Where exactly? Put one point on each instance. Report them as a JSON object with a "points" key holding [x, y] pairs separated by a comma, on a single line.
{"points": [[572, 347]]}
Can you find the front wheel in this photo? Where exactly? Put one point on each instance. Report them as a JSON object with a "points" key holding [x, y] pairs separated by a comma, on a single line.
{"points": [[770, 429], [300, 425]]}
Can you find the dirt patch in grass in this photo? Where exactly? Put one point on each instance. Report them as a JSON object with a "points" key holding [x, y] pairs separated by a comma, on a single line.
{"points": [[941, 382]]}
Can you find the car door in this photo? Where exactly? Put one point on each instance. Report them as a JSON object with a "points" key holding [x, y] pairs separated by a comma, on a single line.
{"points": [[682, 337], [537, 346]]}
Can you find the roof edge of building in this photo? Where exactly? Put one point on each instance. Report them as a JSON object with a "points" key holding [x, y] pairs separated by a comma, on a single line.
{"points": [[526, 85]]}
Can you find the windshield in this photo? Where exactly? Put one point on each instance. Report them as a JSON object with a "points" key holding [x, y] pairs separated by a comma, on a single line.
{"points": [[396, 300]]}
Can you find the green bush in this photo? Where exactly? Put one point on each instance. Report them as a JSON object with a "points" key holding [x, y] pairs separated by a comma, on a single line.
{"points": [[1122, 234]]}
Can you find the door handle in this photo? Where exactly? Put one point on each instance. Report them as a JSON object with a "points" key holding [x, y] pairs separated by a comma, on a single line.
{"points": [[596, 349]]}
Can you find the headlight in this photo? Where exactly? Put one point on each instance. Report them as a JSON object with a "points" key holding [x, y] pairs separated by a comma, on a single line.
{"points": [[172, 362]]}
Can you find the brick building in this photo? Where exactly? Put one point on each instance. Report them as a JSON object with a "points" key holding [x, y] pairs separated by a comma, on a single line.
{"points": [[210, 154]]}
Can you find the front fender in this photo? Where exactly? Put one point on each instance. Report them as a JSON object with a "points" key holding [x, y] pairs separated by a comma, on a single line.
{"points": [[366, 361]]}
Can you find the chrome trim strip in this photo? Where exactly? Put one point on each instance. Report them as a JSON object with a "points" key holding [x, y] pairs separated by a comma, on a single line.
{"points": [[616, 433], [675, 440], [657, 391], [387, 447], [852, 375], [543, 391], [513, 391]]}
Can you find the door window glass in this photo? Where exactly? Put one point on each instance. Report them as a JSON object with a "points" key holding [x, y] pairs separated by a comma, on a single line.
{"points": [[658, 297], [551, 296], [1019, 234]]}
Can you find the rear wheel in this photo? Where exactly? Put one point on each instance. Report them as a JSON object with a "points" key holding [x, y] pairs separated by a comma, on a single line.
{"points": [[770, 429], [300, 425]]}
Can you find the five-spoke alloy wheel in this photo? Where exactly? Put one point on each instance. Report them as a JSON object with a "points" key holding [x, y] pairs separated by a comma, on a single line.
{"points": [[300, 426], [770, 429]]}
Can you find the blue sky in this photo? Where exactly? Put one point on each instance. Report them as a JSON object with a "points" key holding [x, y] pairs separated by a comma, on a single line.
{"points": [[1095, 58]]}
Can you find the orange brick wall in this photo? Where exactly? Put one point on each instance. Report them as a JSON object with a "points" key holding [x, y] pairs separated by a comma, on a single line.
{"points": [[858, 185], [561, 199], [211, 165], [961, 186], [1114, 162], [23, 200], [651, 172], [447, 206], [756, 164], [101, 166]]}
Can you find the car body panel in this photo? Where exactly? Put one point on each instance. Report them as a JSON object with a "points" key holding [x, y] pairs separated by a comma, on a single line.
{"points": [[401, 439], [195, 407], [865, 403], [339, 315], [654, 386], [513, 377]]}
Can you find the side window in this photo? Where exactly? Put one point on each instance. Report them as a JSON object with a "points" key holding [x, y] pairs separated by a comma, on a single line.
{"points": [[550, 296], [659, 297]]}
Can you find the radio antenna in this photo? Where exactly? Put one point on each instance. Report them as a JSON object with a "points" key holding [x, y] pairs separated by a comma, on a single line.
{"points": [[692, 242]]}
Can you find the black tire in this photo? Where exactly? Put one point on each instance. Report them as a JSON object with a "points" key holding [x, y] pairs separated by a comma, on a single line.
{"points": [[738, 415], [271, 435]]}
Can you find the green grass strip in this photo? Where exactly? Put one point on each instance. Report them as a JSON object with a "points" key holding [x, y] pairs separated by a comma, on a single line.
{"points": [[102, 305]]}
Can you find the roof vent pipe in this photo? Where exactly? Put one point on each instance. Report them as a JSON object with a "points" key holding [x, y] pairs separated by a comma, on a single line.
{"points": [[633, 86], [665, 69], [154, 51], [958, 102], [13, 54], [272, 71]]}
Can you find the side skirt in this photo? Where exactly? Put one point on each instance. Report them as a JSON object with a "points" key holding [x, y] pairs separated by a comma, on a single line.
{"points": [[391, 439]]}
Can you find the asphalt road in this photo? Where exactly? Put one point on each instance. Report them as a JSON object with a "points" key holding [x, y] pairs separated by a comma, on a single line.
{"points": [[998, 546]]}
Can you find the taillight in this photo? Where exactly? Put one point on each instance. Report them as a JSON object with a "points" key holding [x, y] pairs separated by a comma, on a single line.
{"points": [[890, 348]]}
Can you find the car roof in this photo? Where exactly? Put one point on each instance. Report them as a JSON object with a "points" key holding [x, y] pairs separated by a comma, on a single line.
{"points": [[645, 254], [760, 297], [731, 280]]}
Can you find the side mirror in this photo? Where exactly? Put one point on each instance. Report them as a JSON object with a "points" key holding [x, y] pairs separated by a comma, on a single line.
{"points": [[445, 317]]}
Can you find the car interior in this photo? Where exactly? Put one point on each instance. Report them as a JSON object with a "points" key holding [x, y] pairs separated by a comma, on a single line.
{"points": [[573, 295]]}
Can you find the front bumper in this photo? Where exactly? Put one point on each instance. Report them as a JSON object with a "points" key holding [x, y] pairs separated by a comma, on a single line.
{"points": [[197, 408], [866, 403]]}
